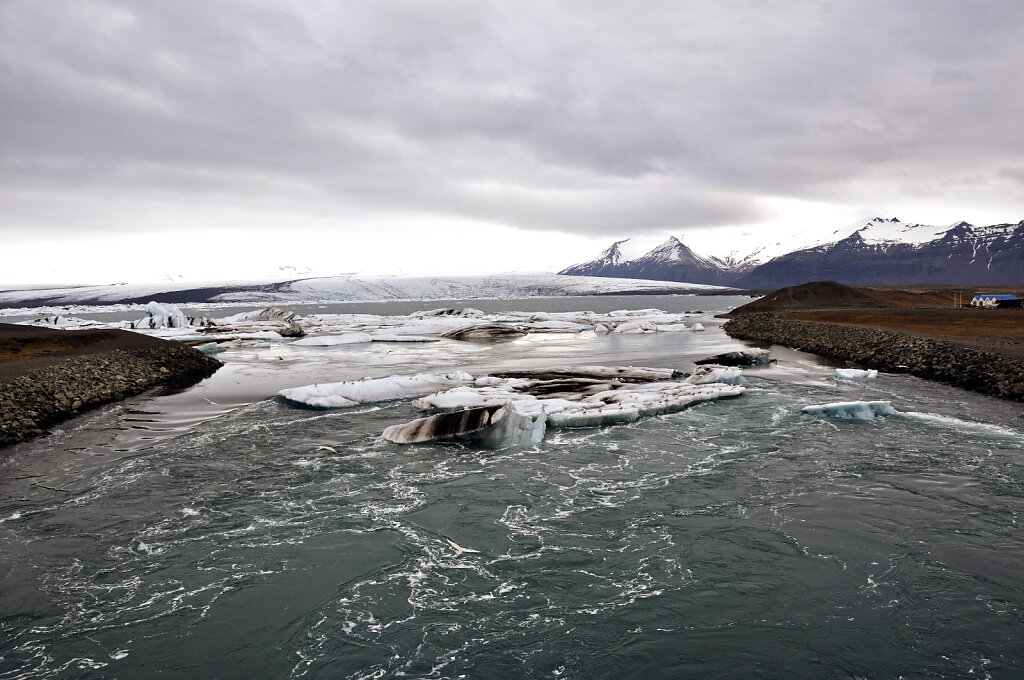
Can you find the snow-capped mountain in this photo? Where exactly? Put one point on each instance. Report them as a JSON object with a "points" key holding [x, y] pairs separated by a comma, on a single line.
{"points": [[874, 251]]}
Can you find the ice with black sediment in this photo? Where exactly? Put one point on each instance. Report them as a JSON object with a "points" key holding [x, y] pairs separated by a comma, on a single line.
{"points": [[593, 397]]}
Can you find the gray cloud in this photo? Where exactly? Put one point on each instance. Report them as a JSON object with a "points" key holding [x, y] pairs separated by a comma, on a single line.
{"points": [[585, 117]]}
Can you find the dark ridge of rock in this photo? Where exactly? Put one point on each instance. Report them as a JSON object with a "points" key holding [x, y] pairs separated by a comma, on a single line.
{"points": [[486, 331], [34, 400], [813, 295], [946, 362]]}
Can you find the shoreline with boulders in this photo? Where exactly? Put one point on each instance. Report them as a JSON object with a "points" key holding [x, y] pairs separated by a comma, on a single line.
{"points": [[933, 359], [37, 393]]}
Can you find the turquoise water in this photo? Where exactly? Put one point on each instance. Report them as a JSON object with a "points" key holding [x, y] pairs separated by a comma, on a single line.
{"points": [[173, 537]]}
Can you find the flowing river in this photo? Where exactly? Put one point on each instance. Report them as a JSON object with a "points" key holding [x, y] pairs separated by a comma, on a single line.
{"points": [[204, 534]]}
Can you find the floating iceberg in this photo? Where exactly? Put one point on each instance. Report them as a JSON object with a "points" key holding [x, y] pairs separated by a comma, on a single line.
{"points": [[855, 374], [352, 392], [852, 410], [490, 426], [487, 331], [265, 314], [744, 357], [578, 401], [168, 316], [710, 373], [636, 327], [210, 348], [467, 313]]}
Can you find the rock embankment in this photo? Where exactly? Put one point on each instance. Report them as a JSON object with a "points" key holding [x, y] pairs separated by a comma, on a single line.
{"points": [[931, 359], [36, 399]]}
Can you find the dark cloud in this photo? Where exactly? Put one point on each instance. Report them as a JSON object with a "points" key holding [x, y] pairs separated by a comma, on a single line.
{"points": [[585, 117]]}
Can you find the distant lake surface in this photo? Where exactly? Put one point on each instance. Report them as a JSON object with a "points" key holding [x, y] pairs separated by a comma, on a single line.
{"points": [[206, 533]]}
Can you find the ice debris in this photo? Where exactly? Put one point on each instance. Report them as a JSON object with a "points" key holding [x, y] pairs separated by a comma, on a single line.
{"points": [[852, 410]]}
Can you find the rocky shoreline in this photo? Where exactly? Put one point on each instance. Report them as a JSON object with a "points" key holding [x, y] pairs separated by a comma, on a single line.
{"points": [[939, 360], [37, 399]]}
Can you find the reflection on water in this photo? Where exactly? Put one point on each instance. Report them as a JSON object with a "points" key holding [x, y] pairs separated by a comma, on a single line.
{"points": [[205, 534]]}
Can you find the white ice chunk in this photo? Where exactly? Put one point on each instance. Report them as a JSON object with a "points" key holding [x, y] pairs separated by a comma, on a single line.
{"points": [[265, 314], [351, 392], [331, 340], [712, 373], [855, 374], [697, 327], [467, 313], [852, 410], [210, 348], [165, 316], [633, 327]]}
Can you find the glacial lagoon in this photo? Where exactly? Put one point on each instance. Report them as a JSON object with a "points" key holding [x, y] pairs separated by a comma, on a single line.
{"points": [[221, 532]]}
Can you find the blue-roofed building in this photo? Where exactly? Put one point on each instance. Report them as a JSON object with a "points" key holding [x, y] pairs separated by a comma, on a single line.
{"points": [[995, 300]]}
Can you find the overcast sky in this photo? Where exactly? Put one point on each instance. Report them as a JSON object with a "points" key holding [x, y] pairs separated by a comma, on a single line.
{"points": [[227, 139]]}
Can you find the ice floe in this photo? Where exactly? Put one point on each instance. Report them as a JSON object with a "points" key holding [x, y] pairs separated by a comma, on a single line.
{"points": [[352, 392], [852, 410]]}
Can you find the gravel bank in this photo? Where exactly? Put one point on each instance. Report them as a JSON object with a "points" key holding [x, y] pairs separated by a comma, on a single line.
{"points": [[938, 360], [35, 399]]}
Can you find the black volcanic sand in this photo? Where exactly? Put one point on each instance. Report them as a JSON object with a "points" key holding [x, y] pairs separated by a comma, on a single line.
{"points": [[47, 376], [943, 361]]}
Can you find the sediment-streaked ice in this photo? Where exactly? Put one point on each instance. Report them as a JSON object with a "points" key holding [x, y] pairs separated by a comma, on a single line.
{"points": [[852, 410], [352, 392], [578, 402], [493, 427]]}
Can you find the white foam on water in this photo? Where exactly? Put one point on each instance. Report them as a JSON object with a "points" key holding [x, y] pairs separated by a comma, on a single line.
{"points": [[957, 423]]}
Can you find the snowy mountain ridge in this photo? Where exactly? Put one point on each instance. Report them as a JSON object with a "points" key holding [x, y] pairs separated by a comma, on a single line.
{"points": [[869, 251]]}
